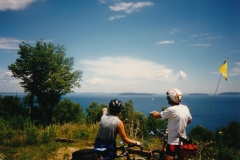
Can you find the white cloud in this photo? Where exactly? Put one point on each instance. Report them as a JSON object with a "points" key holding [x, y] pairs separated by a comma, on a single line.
{"points": [[8, 83], [116, 17], [110, 69], [14, 4], [200, 45], [9, 43], [130, 7], [165, 42], [108, 1], [175, 31], [238, 63], [181, 75], [96, 80], [209, 38], [102, 1], [199, 35], [236, 70], [234, 52]]}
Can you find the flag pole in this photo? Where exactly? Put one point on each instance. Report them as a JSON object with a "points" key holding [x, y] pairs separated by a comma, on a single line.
{"points": [[212, 102]]}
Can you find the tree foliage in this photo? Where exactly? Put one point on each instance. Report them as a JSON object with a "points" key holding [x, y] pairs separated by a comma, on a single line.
{"points": [[229, 135], [199, 133], [11, 106], [68, 111], [94, 112], [45, 73]]}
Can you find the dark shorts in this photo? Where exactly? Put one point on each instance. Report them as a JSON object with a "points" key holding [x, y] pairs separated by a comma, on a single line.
{"points": [[111, 147], [172, 150]]}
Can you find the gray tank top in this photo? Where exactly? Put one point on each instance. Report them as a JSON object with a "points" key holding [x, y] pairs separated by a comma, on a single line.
{"points": [[108, 128]]}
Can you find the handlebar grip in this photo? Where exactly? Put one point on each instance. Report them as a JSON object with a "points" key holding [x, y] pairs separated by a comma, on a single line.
{"points": [[134, 145]]}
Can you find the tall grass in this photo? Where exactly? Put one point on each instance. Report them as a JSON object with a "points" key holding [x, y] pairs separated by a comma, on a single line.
{"points": [[31, 141], [32, 135]]}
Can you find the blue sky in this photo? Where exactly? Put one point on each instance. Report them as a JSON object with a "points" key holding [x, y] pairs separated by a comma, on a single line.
{"points": [[130, 46]]}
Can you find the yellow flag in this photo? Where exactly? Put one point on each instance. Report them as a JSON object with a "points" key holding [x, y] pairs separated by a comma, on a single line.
{"points": [[223, 69]]}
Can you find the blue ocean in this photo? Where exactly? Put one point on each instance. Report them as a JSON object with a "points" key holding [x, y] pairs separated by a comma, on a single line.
{"points": [[206, 110]]}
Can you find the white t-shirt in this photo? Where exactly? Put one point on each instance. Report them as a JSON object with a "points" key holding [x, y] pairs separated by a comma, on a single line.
{"points": [[178, 117]]}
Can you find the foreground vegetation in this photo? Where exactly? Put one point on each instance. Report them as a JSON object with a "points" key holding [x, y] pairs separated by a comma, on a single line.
{"points": [[23, 138]]}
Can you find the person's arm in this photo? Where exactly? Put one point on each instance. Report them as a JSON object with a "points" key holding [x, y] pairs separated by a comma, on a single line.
{"points": [[104, 111], [156, 114], [123, 136]]}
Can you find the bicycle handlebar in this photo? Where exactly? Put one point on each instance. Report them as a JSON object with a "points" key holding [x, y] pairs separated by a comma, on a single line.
{"points": [[163, 132]]}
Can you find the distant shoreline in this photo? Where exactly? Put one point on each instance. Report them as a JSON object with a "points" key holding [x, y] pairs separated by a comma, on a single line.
{"points": [[229, 93], [131, 93], [198, 94]]}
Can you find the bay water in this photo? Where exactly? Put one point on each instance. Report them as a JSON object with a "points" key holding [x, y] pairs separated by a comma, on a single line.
{"points": [[206, 111]]}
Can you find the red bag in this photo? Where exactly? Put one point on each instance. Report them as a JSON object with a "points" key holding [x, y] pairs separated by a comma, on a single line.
{"points": [[187, 148]]}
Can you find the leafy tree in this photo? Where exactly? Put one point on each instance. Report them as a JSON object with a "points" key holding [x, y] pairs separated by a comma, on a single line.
{"points": [[153, 123], [94, 112], [133, 121], [199, 133], [45, 73], [68, 111], [11, 106], [128, 117], [229, 136]]}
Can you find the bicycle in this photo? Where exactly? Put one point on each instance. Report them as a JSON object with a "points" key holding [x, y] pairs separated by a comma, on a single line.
{"points": [[100, 152], [159, 154], [154, 154]]}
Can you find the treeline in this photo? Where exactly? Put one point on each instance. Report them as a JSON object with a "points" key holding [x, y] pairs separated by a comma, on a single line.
{"points": [[16, 111], [70, 121]]}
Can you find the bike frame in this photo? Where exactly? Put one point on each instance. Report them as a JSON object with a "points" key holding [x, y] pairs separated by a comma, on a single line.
{"points": [[124, 149], [159, 154]]}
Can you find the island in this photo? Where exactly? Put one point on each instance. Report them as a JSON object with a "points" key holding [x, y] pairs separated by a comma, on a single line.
{"points": [[198, 94], [229, 93], [132, 93]]}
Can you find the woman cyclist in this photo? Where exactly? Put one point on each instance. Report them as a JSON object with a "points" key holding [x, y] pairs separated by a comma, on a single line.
{"points": [[110, 126]]}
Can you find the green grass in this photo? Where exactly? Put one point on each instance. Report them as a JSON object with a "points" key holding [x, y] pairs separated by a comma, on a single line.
{"points": [[39, 142]]}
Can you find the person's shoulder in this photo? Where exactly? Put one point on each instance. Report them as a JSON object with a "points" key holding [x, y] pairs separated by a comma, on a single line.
{"points": [[183, 105]]}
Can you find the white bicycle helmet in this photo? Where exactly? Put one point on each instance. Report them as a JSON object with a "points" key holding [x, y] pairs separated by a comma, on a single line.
{"points": [[175, 95]]}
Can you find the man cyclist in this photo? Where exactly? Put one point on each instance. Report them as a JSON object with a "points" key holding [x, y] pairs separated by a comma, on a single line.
{"points": [[110, 126], [178, 117]]}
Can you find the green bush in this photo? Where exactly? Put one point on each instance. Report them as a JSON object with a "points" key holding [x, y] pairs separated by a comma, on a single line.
{"points": [[201, 134], [226, 153]]}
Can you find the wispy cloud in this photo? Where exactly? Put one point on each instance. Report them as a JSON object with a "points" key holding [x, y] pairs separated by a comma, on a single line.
{"points": [[236, 51], [8, 83], [111, 70], [199, 35], [9, 43], [14, 4], [209, 38], [102, 1], [108, 1], [181, 75], [165, 42], [199, 45], [175, 31], [236, 70], [96, 81], [130, 7], [116, 17], [238, 64]]}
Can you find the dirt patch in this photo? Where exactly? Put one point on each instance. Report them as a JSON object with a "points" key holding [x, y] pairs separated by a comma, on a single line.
{"points": [[65, 153]]}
